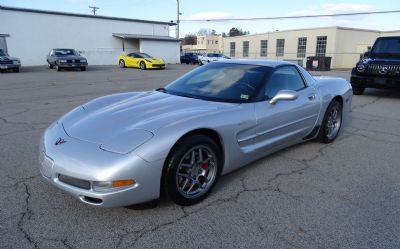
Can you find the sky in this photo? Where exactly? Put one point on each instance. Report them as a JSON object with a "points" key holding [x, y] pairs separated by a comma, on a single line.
{"points": [[166, 10]]}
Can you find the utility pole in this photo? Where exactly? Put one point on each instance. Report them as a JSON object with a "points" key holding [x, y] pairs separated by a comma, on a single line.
{"points": [[177, 20], [94, 9]]}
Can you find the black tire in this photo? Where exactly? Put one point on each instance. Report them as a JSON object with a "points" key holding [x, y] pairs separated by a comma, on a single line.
{"points": [[16, 70], [172, 165], [121, 64], [51, 66], [83, 68], [323, 134], [58, 68], [142, 65], [357, 90]]}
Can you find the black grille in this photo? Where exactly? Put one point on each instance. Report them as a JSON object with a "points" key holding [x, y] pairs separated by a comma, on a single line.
{"points": [[383, 69], [5, 62], [73, 61], [74, 181]]}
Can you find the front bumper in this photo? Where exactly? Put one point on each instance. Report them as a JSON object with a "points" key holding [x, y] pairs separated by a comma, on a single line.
{"points": [[373, 81], [9, 66], [85, 161], [73, 65], [155, 66]]}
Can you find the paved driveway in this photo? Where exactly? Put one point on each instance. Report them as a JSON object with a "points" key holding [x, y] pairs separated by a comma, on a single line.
{"points": [[341, 195]]}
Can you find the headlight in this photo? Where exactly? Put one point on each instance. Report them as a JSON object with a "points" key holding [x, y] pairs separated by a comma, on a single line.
{"points": [[148, 60], [16, 62], [62, 61], [83, 60], [361, 68], [113, 185]]}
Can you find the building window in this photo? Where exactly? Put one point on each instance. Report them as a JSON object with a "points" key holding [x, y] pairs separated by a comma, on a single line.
{"points": [[280, 47], [264, 48], [321, 46], [208, 42], [246, 49], [232, 49], [216, 42], [301, 47]]}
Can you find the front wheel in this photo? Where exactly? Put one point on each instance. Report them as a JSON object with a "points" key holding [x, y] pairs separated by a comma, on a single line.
{"points": [[331, 124], [191, 170], [121, 63], [58, 68], [358, 90], [16, 70], [142, 65], [83, 68]]}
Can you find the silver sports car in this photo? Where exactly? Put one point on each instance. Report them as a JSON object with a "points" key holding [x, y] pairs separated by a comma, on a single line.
{"points": [[129, 148]]}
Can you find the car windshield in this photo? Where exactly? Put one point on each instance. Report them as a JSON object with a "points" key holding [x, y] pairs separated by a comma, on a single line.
{"points": [[223, 82], [2, 53], [144, 55], [387, 46], [65, 52]]}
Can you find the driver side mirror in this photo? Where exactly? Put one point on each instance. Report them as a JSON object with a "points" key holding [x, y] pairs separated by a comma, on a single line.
{"points": [[284, 95]]}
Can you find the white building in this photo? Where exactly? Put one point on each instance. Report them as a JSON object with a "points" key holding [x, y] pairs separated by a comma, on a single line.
{"points": [[30, 34], [206, 43]]}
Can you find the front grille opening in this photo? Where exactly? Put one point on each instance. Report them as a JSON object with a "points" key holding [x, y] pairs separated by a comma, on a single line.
{"points": [[92, 200], [79, 183]]}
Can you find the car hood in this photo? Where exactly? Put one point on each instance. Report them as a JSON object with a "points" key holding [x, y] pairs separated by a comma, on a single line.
{"points": [[378, 60], [5, 58], [133, 118], [154, 60], [71, 57]]}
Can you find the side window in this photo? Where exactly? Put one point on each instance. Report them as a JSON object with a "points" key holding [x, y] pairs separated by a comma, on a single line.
{"points": [[284, 78]]}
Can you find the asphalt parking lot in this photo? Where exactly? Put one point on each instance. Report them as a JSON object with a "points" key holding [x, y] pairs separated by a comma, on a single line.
{"points": [[342, 195]]}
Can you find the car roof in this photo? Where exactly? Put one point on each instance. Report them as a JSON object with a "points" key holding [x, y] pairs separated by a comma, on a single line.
{"points": [[268, 63]]}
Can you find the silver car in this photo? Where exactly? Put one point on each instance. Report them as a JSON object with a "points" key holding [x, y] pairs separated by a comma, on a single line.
{"points": [[127, 148]]}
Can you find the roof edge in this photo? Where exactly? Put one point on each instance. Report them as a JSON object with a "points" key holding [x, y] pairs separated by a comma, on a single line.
{"points": [[2, 7]]}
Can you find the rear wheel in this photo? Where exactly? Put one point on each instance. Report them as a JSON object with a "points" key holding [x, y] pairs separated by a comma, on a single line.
{"points": [[16, 70], [142, 65], [192, 169], [121, 63], [83, 68], [331, 124], [358, 90]]}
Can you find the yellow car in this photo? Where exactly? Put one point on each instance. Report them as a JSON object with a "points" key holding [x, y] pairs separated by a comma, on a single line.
{"points": [[140, 60]]}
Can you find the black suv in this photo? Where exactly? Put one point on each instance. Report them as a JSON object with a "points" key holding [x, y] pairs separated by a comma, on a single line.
{"points": [[8, 62], [380, 67], [189, 58]]}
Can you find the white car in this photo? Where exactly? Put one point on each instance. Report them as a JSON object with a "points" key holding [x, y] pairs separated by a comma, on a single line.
{"points": [[210, 57]]}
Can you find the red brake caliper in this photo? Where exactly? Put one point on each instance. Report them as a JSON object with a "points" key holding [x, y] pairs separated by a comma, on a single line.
{"points": [[205, 166]]}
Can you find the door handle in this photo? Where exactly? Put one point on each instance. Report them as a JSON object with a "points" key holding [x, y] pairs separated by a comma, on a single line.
{"points": [[311, 96]]}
